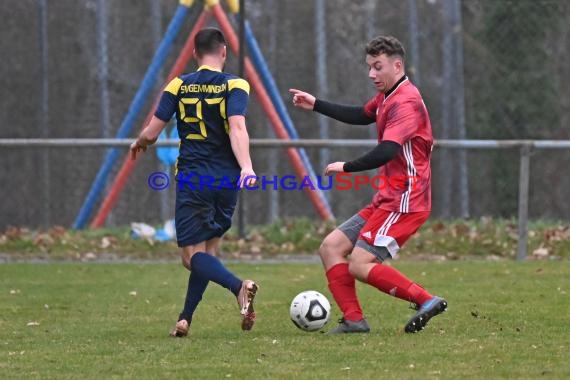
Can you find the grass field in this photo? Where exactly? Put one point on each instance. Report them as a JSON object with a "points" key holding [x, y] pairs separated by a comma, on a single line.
{"points": [[104, 321]]}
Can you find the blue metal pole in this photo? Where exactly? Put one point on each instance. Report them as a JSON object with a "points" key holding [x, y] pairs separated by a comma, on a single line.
{"points": [[134, 109], [271, 87]]}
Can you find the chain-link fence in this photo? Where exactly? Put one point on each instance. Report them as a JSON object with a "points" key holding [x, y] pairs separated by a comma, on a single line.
{"points": [[487, 70]]}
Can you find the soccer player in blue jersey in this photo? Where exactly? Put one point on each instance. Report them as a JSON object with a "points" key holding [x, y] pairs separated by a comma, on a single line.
{"points": [[210, 108]]}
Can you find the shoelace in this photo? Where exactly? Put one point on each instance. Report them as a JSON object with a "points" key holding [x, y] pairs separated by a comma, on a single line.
{"points": [[246, 297]]}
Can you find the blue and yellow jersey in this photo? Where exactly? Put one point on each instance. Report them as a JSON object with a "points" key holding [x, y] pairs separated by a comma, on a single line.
{"points": [[203, 101]]}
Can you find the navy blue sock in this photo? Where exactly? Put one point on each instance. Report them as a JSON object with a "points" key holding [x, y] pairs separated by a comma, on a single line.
{"points": [[196, 288], [211, 268]]}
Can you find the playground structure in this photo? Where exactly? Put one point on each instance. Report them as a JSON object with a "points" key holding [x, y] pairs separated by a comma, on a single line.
{"points": [[256, 72]]}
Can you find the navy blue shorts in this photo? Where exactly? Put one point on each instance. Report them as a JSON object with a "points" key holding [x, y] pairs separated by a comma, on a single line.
{"points": [[202, 215]]}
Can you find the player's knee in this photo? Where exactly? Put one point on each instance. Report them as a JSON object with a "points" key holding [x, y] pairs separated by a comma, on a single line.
{"points": [[324, 248], [360, 260], [186, 258], [185, 262], [329, 248]]}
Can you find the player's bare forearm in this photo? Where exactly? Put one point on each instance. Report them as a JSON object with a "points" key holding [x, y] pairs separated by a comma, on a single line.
{"points": [[239, 139], [148, 136]]}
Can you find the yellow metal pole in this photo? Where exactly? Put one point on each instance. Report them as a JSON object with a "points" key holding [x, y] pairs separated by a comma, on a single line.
{"points": [[187, 3], [208, 4], [233, 6]]}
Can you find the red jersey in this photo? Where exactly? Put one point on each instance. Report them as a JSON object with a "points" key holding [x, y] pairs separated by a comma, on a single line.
{"points": [[402, 117]]}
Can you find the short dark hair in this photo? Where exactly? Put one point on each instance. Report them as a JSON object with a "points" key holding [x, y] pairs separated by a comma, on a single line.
{"points": [[385, 45], [208, 41]]}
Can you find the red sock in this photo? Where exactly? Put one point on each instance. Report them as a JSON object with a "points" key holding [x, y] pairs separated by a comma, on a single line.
{"points": [[343, 288], [391, 281]]}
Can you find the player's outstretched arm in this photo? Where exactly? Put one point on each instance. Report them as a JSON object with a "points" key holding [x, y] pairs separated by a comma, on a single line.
{"points": [[346, 114], [148, 136], [239, 139]]}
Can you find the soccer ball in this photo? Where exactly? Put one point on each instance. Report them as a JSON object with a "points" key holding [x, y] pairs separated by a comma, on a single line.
{"points": [[310, 310]]}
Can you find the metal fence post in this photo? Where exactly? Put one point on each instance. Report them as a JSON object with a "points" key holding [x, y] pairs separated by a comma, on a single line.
{"points": [[273, 157], [414, 42], [322, 78], [524, 179], [44, 108], [241, 72]]}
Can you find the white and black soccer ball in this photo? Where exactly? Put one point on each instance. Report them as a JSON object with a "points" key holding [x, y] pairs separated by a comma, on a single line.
{"points": [[310, 310]]}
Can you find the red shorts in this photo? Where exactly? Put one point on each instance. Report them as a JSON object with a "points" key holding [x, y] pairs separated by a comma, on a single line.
{"points": [[389, 229]]}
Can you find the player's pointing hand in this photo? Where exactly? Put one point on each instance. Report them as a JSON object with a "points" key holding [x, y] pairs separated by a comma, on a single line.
{"points": [[302, 99]]}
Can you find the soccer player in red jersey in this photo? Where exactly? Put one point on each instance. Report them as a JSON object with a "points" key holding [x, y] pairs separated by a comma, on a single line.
{"points": [[378, 231]]}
